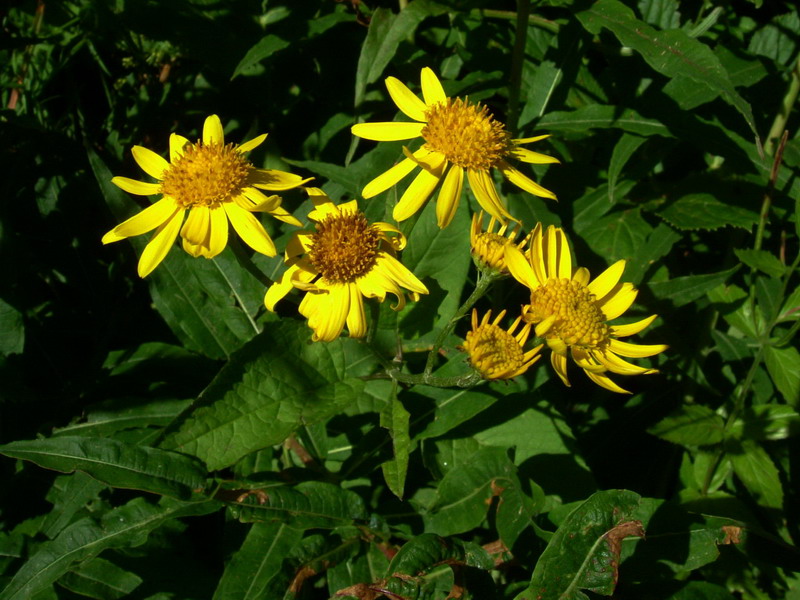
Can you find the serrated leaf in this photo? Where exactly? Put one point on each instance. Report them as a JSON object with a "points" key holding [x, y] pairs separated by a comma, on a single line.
{"points": [[764, 261], [754, 467], [12, 329], [453, 407], [776, 40], [691, 425], [395, 418], [704, 211], [767, 422], [115, 463], [265, 48], [600, 116], [682, 290], [783, 365], [259, 559], [274, 384], [303, 506], [769, 293], [584, 552], [617, 235], [100, 579], [126, 526], [623, 150], [664, 14], [672, 53], [658, 244]]}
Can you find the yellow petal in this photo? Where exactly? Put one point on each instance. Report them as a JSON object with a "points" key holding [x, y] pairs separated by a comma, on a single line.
{"points": [[176, 145], [140, 188], [553, 247], [529, 140], [523, 182], [252, 144], [389, 178], [537, 254], [396, 237], [416, 194], [632, 328], [635, 350], [559, 363], [258, 201], [212, 131], [279, 289], [544, 326], [519, 267], [158, 247], [327, 313], [618, 300], [449, 195], [274, 180], [432, 89], [249, 229], [356, 319], [564, 256], [387, 131], [604, 382], [150, 162], [405, 99], [144, 221], [219, 231], [400, 273], [196, 228], [534, 158], [581, 276], [284, 215], [606, 281], [485, 193], [615, 364]]}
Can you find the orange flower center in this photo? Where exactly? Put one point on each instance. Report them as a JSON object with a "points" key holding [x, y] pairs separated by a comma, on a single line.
{"points": [[466, 134], [206, 175], [345, 247]]}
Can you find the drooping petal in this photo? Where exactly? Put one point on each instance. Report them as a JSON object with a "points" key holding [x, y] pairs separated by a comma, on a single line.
{"points": [[150, 162], [604, 382], [158, 247], [405, 99], [432, 90], [586, 361], [249, 229], [536, 251], [176, 144], [519, 266], [274, 180], [523, 181], [534, 158], [544, 326], [144, 221], [252, 144], [486, 194], [212, 131], [140, 188], [389, 178], [530, 140], [606, 281], [559, 363], [400, 273], [284, 215], [388, 131], [449, 195], [615, 364], [257, 200], [218, 237], [635, 350], [416, 194], [327, 312], [632, 328], [618, 300], [195, 229], [279, 288], [356, 319], [396, 237]]}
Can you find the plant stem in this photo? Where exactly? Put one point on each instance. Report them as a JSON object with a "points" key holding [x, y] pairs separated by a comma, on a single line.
{"points": [[517, 60], [767, 201], [779, 124], [467, 380], [512, 16]]}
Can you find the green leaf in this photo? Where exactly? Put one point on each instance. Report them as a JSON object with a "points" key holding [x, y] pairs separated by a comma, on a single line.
{"points": [[259, 559], [783, 365], [767, 422], [683, 290], [617, 235], [704, 211], [69, 495], [265, 48], [623, 150], [584, 552], [115, 463], [658, 244], [101, 579], [124, 414], [429, 550], [453, 407], [274, 384], [395, 419], [12, 329], [776, 40], [303, 506], [764, 261], [791, 308], [702, 590], [754, 467], [769, 293], [599, 116], [691, 425], [197, 298], [126, 526], [672, 53]]}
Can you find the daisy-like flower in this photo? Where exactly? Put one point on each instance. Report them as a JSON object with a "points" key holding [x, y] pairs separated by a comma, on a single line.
{"points": [[488, 247], [571, 312], [460, 137], [497, 353], [216, 184], [344, 260]]}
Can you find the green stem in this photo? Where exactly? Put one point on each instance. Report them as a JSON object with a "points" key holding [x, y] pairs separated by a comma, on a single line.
{"points": [[779, 124], [467, 380], [766, 203], [483, 284], [517, 60], [512, 16]]}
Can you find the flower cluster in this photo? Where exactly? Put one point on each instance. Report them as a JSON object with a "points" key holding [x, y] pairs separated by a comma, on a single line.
{"points": [[342, 258]]}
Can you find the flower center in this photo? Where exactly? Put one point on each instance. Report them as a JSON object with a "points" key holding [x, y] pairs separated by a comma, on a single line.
{"points": [[345, 247], [578, 319], [493, 351], [206, 175], [467, 134]]}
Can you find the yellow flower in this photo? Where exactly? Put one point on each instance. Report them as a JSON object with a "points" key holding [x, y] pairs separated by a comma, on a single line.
{"points": [[488, 247], [496, 353], [460, 137], [571, 312], [342, 261], [216, 184]]}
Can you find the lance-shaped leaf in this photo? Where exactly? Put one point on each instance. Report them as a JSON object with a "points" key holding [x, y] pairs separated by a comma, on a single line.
{"points": [[274, 384], [584, 552], [126, 526], [102, 579], [114, 462], [395, 418], [691, 425]]}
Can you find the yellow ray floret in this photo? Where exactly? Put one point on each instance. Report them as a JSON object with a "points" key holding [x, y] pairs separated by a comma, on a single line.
{"points": [[497, 353]]}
